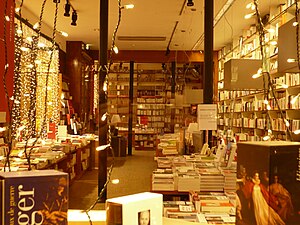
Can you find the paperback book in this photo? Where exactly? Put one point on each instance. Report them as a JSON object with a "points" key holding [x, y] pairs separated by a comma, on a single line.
{"points": [[34, 197]]}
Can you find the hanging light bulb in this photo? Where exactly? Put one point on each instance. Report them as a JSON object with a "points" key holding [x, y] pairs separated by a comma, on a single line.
{"points": [[17, 9], [36, 26], [294, 99], [266, 138], [105, 87], [65, 34], [2, 129], [29, 39], [103, 118], [115, 181], [41, 45], [269, 107], [116, 50], [248, 16], [295, 23], [129, 6], [24, 49], [258, 74], [273, 43], [37, 61], [250, 6], [287, 123], [7, 18], [102, 147], [291, 60], [19, 31]]}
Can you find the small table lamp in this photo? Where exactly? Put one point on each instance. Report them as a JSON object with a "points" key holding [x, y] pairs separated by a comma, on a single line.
{"points": [[193, 127], [115, 119]]}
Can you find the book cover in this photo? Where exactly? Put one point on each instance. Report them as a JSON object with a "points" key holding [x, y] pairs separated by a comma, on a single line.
{"points": [[34, 197]]}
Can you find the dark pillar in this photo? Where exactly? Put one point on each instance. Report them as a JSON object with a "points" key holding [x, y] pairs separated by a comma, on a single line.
{"points": [[131, 79], [102, 125], [208, 56], [173, 84]]}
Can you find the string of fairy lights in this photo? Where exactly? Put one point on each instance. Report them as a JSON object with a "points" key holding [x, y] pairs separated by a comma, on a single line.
{"points": [[106, 116], [269, 89], [35, 99], [5, 30]]}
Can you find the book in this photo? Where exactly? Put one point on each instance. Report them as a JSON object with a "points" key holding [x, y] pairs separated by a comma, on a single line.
{"points": [[34, 197], [217, 207]]}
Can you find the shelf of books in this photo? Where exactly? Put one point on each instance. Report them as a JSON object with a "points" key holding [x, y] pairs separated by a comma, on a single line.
{"points": [[72, 156], [118, 97], [151, 108], [271, 109]]}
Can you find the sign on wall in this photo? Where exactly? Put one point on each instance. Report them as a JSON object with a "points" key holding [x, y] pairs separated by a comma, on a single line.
{"points": [[207, 116]]}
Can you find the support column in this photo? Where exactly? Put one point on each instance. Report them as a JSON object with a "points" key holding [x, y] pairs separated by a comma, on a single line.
{"points": [[208, 56], [173, 84], [102, 125], [131, 80]]}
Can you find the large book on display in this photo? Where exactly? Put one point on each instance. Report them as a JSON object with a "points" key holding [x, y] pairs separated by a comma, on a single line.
{"points": [[34, 197], [136, 209]]}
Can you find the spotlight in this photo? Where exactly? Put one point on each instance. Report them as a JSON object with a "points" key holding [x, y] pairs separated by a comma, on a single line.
{"points": [[190, 3], [74, 18], [67, 9]]}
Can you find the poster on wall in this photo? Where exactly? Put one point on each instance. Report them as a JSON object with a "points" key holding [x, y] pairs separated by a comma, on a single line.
{"points": [[267, 186]]}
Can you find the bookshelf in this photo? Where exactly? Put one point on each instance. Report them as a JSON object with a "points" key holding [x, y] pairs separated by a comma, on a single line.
{"points": [[118, 97], [245, 110], [151, 108]]}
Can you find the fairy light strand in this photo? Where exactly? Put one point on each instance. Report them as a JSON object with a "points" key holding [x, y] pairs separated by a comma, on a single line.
{"points": [[297, 33], [7, 161], [108, 115], [270, 86]]}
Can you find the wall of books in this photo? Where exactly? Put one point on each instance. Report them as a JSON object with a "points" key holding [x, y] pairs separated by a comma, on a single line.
{"points": [[269, 110]]}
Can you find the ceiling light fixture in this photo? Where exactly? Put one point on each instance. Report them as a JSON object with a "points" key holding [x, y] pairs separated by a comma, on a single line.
{"points": [[190, 3], [67, 9], [74, 18]]}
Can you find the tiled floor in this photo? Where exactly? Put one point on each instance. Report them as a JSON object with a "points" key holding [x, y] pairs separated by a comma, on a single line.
{"points": [[133, 172]]}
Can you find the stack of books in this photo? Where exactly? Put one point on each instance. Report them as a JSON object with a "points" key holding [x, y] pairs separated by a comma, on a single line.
{"points": [[180, 210], [229, 179], [163, 180], [211, 181], [216, 218], [185, 206], [217, 207], [207, 197], [187, 181], [164, 162]]}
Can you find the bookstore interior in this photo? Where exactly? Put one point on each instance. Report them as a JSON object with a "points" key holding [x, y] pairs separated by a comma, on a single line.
{"points": [[225, 132]]}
